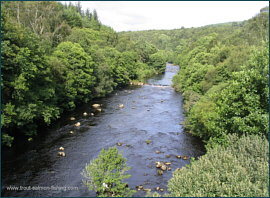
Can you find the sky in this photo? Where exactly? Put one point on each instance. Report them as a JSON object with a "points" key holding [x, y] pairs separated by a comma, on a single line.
{"points": [[147, 15]]}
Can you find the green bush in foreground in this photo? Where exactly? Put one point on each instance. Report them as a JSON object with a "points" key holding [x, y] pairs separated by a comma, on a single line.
{"points": [[240, 170], [106, 173]]}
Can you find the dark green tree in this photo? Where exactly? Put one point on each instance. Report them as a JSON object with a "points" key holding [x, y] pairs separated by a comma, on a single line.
{"points": [[27, 91]]}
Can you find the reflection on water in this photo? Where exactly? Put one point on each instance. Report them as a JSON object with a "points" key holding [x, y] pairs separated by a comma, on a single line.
{"points": [[151, 111]]}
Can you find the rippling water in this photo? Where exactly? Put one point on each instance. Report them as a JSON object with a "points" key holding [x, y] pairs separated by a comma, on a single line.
{"points": [[153, 111]]}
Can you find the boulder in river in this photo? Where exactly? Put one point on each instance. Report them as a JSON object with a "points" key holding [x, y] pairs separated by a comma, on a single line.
{"points": [[62, 154], [121, 106], [161, 165], [164, 167], [78, 124], [99, 110], [178, 156], [72, 118], [185, 157], [61, 148], [96, 105]]}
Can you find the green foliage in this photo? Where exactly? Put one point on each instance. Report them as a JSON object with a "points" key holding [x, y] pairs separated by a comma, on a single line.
{"points": [[72, 18], [238, 106], [158, 62], [85, 37], [177, 82], [258, 26], [191, 98], [155, 194], [77, 80], [240, 170], [108, 169], [7, 140], [26, 87]]}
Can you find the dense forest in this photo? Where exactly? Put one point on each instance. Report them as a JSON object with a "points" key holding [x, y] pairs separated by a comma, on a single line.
{"points": [[55, 57]]}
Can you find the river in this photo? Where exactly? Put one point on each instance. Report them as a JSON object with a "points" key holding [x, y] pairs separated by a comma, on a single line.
{"points": [[152, 111]]}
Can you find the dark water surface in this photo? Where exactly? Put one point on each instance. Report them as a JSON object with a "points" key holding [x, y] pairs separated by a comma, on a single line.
{"points": [[38, 164]]}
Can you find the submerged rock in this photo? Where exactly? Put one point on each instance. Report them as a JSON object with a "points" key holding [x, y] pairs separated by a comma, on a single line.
{"points": [[160, 172], [147, 189]]}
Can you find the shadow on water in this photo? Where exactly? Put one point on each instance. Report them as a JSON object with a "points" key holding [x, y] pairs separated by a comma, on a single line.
{"points": [[151, 111]]}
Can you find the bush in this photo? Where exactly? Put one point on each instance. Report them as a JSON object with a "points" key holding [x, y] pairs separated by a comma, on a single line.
{"points": [[106, 173], [241, 169]]}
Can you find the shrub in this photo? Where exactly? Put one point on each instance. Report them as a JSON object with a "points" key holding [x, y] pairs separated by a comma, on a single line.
{"points": [[241, 169], [106, 173], [190, 98]]}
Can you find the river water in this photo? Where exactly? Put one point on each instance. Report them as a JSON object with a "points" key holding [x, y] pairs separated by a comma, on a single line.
{"points": [[153, 111]]}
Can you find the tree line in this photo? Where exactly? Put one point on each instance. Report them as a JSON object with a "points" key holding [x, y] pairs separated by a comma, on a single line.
{"points": [[55, 57]]}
